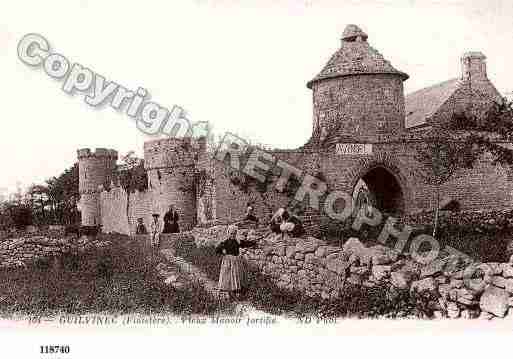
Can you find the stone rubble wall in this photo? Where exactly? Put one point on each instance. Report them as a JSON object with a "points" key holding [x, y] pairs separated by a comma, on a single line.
{"points": [[20, 252], [316, 268]]}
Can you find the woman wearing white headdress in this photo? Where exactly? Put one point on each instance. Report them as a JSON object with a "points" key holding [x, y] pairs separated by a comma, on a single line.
{"points": [[231, 276], [277, 220]]}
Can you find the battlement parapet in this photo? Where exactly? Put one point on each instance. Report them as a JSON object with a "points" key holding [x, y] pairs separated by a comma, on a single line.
{"points": [[172, 152], [97, 153], [178, 144]]}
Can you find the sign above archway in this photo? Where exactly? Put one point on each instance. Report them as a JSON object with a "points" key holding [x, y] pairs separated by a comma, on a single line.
{"points": [[354, 149]]}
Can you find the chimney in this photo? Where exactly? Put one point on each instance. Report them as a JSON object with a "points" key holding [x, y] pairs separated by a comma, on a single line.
{"points": [[473, 66]]}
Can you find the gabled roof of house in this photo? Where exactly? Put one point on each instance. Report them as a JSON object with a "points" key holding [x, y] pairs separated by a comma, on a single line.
{"points": [[421, 104]]}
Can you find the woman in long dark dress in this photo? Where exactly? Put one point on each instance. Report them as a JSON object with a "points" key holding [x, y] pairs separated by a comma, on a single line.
{"points": [[232, 274], [171, 221]]}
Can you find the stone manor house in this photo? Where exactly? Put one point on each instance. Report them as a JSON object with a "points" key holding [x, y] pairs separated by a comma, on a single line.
{"points": [[362, 137]]}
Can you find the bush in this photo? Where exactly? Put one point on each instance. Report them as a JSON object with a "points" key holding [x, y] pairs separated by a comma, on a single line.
{"points": [[89, 230], [484, 236], [21, 216], [6, 221], [72, 229]]}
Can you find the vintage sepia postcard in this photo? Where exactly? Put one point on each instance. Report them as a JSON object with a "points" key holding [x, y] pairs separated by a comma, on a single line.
{"points": [[189, 175]]}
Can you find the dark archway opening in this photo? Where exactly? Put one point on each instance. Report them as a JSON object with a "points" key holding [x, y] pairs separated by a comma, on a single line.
{"points": [[384, 191]]}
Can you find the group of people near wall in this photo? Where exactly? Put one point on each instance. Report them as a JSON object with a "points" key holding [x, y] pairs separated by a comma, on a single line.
{"points": [[233, 274], [284, 221], [171, 225], [287, 222]]}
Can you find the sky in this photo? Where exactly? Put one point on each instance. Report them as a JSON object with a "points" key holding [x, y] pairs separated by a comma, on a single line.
{"points": [[241, 65]]}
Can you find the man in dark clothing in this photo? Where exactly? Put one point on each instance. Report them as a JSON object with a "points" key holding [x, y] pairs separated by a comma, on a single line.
{"points": [[250, 216], [171, 221], [141, 228]]}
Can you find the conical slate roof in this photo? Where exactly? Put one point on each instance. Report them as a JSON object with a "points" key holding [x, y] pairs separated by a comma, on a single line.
{"points": [[355, 57]]}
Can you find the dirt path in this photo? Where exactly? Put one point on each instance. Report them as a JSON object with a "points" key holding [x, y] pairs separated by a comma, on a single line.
{"points": [[180, 273]]}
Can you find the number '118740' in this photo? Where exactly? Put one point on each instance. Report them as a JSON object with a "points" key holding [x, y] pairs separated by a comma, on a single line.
{"points": [[54, 349]]}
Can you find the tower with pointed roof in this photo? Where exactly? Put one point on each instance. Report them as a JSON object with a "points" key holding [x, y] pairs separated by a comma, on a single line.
{"points": [[358, 96]]}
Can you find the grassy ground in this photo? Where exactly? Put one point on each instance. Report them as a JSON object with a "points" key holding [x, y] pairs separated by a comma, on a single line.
{"points": [[120, 279]]}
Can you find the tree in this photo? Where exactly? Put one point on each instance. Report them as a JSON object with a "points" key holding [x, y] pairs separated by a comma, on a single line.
{"points": [[37, 196], [20, 214], [491, 133], [6, 220], [63, 196], [440, 155], [461, 141]]}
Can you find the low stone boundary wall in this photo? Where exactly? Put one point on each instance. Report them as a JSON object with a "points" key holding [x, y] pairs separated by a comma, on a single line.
{"points": [[315, 268], [19, 252]]}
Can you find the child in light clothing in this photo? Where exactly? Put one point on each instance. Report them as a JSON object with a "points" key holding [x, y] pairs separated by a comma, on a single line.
{"points": [[155, 230]]}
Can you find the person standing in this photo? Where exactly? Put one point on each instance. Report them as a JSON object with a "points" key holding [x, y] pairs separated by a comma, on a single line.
{"points": [[141, 228], [171, 221], [232, 273], [250, 215], [155, 230]]}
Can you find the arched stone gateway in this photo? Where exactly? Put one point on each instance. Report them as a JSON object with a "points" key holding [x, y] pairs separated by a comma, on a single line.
{"points": [[380, 183], [380, 189]]}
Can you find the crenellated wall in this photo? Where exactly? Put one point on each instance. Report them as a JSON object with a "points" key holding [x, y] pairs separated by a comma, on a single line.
{"points": [[171, 172]]}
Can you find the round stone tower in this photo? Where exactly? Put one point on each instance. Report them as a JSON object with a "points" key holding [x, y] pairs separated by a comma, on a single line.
{"points": [[171, 164], [95, 169], [358, 96]]}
